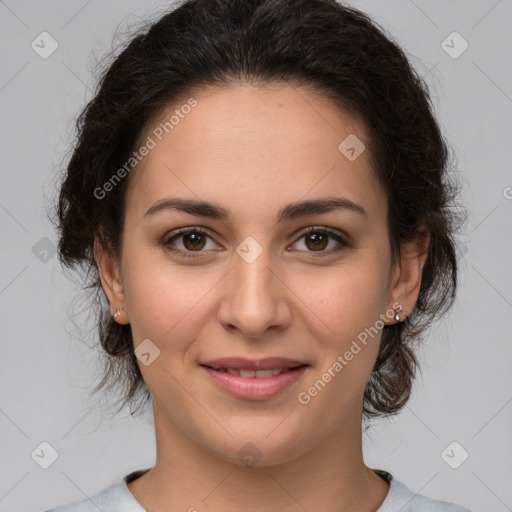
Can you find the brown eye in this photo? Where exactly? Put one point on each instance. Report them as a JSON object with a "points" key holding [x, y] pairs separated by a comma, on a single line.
{"points": [[317, 239], [193, 240]]}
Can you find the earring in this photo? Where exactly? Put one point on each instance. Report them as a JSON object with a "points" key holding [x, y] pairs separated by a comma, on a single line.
{"points": [[397, 316], [118, 313]]}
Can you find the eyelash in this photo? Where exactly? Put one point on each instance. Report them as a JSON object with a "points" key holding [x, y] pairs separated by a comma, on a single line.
{"points": [[315, 229]]}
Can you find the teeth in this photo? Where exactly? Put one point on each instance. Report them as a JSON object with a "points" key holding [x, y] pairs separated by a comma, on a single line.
{"points": [[249, 374], [263, 374]]}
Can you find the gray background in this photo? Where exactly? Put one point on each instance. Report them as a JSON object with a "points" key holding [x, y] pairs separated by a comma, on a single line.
{"points": [[46, 371]]}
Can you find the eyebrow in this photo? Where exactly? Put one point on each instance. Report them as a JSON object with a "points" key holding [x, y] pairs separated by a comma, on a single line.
{"points": [[288, 212]]}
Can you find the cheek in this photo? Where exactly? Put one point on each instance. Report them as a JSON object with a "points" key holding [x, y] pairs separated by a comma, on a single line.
{"points": [[348, 299], [165, 302], [349, 348], [347, 326]]}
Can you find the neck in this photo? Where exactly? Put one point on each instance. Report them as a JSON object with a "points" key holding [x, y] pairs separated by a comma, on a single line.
{"points": [[188, 476]]}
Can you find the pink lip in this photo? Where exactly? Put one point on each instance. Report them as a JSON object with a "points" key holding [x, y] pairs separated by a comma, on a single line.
{"points": [[253, 364], [255, 388]]}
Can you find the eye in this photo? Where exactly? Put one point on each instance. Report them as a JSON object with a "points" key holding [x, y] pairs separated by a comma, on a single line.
{"points": [[193, 240], [316, 239]]}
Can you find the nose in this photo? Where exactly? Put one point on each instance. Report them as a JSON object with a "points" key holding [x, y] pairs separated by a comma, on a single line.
{"points": [[254, 298]]}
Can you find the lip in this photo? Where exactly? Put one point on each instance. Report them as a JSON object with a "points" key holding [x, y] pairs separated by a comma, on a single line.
{"points": [[253, 364], [255, 388]]}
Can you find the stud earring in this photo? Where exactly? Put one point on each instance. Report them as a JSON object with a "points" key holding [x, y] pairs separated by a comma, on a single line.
{"points": [[115, 315], [397, 316]]}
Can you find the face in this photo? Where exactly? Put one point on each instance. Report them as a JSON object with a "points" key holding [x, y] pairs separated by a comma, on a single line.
{"points": [[257, 276]]}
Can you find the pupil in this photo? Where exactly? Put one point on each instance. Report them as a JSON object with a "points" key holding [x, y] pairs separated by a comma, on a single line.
{"points": [[193, 238], [318, 240]]}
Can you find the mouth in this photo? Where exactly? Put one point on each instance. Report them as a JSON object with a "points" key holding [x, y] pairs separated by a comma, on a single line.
{"points": [[254, 374], [254, 368], [254, 379]]}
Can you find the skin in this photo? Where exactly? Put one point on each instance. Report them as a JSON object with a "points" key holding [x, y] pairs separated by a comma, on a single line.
{"points": [[254, 149]]}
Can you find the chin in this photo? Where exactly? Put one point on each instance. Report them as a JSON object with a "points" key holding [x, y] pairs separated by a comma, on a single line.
{"points": [[263, 447]]}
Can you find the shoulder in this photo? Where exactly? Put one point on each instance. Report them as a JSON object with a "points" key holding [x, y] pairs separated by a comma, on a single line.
{"points": [[402, 498], [108, 500], [421, 503], [115, 498]]}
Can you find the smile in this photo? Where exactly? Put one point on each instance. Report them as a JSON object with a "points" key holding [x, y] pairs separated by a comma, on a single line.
{"points": [[250, 374], [247, 384]]}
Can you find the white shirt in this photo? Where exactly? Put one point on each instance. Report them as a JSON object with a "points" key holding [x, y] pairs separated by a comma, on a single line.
{"points": [[118, 498]]}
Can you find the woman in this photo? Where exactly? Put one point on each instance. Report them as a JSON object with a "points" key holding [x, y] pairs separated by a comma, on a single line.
{"points": [[261, 192]]}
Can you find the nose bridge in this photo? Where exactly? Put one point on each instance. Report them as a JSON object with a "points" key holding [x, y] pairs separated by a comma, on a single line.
{"points": [[253, 301], [251, 273]]}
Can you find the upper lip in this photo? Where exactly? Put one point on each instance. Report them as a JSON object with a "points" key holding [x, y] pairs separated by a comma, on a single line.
{"points": [[253, 364]]}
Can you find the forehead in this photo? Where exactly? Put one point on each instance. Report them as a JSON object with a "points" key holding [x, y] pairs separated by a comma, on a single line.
{"points": [[254, 148]]}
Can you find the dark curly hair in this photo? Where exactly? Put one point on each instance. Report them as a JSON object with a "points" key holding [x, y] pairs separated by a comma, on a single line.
{"points": [[339, 52]]}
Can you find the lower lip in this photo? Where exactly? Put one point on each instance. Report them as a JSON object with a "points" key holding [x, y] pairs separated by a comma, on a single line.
{"points": [[255, 388]]}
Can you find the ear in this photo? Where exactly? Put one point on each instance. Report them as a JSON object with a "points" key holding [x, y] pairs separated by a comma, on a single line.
{"points": [[111, 281], [406, 278]]}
